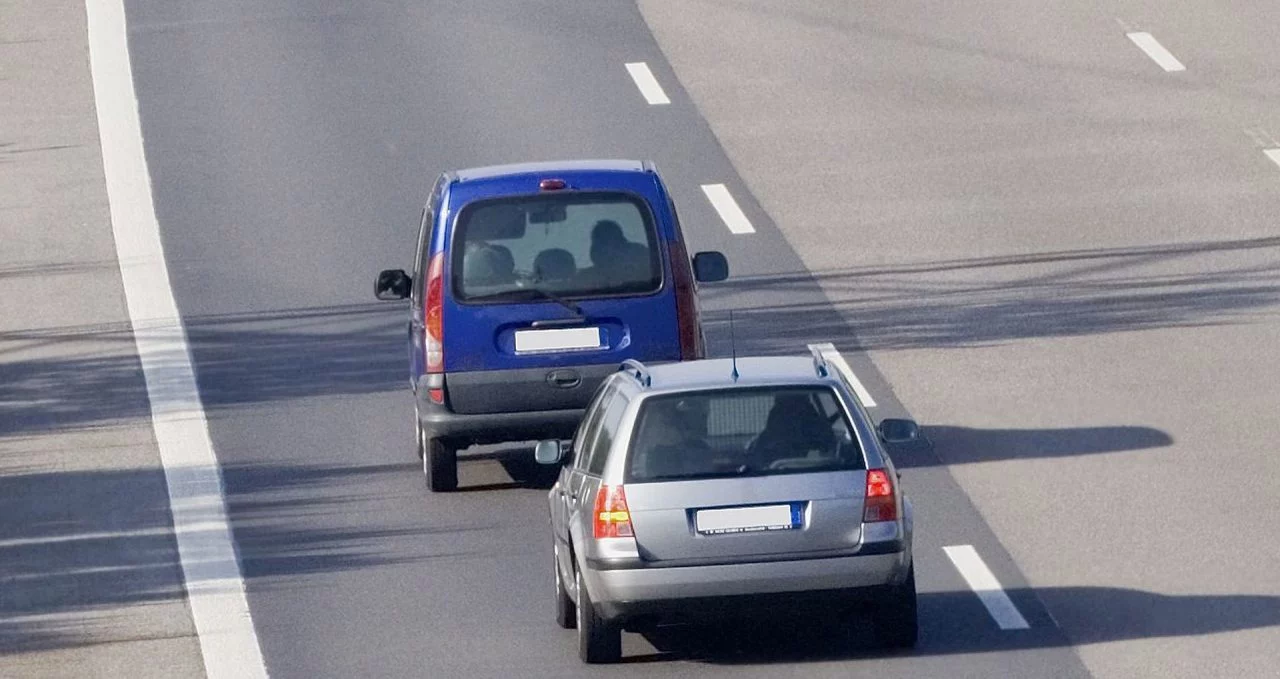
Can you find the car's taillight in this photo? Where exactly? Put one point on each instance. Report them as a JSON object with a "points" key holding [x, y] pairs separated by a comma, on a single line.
{"points": [[433, 312], [612, 519], [686, 304], [880, 505]]}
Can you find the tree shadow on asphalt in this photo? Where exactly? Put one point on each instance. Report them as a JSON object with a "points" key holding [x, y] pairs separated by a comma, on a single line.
{"points": [[989, 301], [359, 349], [1097, 614], [76, 546]]}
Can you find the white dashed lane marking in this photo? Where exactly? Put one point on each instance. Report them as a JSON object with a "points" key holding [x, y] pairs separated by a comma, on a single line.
{"points": [[1147, 43], [648, 84], [984, 583], [732, 215]]}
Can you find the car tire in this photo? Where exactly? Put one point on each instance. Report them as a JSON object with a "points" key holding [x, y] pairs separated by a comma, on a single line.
{"points": [[566, 612], [896, 623], [599, 641], [440, 465]]}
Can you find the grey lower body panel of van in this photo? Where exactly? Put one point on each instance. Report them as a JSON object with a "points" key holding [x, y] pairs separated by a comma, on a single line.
{"points": [[491, 406]]}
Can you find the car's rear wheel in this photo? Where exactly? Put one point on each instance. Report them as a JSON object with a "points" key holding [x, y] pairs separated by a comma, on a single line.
{"points": [[599, 641], [440, 465], [896, 622], [566, 614]]}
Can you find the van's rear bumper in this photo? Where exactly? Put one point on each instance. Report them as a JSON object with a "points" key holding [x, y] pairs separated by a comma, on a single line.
{"points": [[439, 422]]}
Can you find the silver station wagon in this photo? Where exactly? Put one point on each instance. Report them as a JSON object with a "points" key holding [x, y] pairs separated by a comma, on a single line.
{"points": [[712, 487]]}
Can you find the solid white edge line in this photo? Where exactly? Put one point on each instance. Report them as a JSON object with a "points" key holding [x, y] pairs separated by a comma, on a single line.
{"points": [[210, 568], [1148, 43], [833, 356], [647, 83], [730, 213], [984, 583], [1273, 154]]}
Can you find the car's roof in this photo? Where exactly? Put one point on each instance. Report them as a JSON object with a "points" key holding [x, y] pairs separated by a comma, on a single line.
{"points": [[718, 373], [545, 167]]}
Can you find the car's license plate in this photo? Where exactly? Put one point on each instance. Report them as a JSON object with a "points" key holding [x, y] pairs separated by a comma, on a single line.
{"points": [[558, 339], [748, 519]]}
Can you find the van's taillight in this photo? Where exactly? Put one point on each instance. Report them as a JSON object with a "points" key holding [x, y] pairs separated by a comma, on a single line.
{"points": [[686, 304], [880, 504], [612, 519], [433, 311]]}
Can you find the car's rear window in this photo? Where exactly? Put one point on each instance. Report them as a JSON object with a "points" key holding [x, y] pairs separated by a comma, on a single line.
{"points": [[742, 432], [566, 246]]}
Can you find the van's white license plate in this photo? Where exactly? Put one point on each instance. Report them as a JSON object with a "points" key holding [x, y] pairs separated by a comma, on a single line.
{"points": [[558, 339], [747, 519]]}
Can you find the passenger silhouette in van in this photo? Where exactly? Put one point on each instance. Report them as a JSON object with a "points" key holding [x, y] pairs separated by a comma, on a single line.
{"points": [[615, 260]]}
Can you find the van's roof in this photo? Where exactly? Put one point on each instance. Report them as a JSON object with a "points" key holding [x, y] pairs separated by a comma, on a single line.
{"points": [[548, 167]]}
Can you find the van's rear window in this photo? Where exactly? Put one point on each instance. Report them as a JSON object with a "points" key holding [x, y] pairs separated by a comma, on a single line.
{"points": [[564, 246], [758, 431]]}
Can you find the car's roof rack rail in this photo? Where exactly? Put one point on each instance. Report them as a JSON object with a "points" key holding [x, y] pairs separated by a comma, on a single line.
{"points": [[637, 370], [820, 361]]}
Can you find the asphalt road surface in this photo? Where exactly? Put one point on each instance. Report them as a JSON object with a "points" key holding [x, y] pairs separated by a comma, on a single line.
{"points": [[1047, 233]]}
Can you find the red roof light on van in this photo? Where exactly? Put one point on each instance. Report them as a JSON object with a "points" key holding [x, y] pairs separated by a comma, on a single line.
{"points": [[551, 184]]}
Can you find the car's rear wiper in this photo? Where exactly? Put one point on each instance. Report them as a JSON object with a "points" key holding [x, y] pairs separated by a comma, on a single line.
{"points": [[530, 294]]}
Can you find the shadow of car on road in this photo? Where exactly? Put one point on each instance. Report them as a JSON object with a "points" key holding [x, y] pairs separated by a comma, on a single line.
{"points": [[1108, 614]]}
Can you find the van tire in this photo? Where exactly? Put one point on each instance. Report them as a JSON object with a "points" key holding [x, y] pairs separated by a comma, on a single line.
{"points": [[440, 465], [417, 434], [599, 641], [896, 623]]}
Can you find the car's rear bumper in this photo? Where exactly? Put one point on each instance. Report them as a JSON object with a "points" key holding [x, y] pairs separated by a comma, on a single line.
{"points": [[622, 594]]}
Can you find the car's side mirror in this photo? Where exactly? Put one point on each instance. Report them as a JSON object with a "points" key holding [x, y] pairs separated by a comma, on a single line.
{"points": [[898, 431], [392, 284], [710, 267], [548, 452]]}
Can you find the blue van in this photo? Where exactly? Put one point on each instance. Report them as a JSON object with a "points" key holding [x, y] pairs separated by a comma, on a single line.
{"points": [[531, 284]]}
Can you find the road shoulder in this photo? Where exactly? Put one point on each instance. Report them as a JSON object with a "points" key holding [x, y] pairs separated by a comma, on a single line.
{"points": [[90, 583]]}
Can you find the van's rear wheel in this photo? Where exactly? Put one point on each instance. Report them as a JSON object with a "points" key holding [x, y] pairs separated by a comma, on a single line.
{"points": [[440, 464], [417, 434]]}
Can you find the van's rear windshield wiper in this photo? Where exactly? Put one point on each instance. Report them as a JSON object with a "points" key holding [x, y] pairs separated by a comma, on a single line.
{"points": [[529, 294]]}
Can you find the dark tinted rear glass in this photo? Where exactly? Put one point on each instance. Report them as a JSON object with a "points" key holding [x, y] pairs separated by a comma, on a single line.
{"points": [[742, 432], [562, 245]]}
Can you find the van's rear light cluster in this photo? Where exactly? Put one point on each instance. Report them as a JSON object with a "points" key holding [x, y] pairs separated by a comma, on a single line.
{"points": [[686, 304], [612, 518], [433, 322], [880, 504]]}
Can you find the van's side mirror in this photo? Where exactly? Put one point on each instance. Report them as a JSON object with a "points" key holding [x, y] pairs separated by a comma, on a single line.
{"points": [[392, 284], [548, 452], [898, 431], [710, 267]]}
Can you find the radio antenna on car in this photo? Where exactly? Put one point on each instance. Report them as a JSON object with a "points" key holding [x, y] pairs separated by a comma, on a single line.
{"points": [[733, 347]]}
